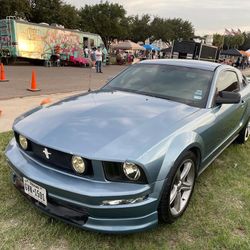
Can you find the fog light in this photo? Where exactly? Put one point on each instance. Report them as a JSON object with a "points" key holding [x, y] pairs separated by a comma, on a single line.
{"points": [[78, 164], [131, 171], [23, 142], [123, 201]]}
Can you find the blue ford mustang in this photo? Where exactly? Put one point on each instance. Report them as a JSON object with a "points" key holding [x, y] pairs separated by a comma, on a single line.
{"points": [[126, 156]]}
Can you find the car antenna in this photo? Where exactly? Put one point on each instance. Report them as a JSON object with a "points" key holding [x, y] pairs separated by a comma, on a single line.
{"points": [[90, 78]]}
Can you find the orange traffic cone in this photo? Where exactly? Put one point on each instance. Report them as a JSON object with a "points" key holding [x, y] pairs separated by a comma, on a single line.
{"points": [[45, 101], [33, 82], [2, 74]]}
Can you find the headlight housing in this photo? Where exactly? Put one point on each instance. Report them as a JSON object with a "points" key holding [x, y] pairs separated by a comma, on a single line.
{"points": [[78, 164], [131, 171], [124, 172], [23, 142]]}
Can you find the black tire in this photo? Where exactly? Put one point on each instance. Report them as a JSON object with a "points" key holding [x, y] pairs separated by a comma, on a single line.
{"points": [[244, 134], [165, 211]]}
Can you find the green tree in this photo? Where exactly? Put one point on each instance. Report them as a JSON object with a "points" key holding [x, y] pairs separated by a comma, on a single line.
{"points": [[106, 19], [47, 11], [234, 41], [228, 41], [171, 29], [69, 16], [238, 40], [181, 29], [218, 40], [246, 44], [18, 8], [140, 28], [125, 33], [161, 29]]}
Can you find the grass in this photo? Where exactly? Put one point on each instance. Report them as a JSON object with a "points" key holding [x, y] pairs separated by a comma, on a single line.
{"points": [[218, 216]]}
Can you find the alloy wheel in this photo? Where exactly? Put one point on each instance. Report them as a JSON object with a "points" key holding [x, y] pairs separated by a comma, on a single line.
{"points": [[182, 187]]}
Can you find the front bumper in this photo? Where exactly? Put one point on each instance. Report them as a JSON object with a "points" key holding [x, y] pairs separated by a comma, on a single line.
{"points": [[78, 201]]}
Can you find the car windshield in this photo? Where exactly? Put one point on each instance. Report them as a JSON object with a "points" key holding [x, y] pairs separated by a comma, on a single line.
{"points": [[176, 83]]}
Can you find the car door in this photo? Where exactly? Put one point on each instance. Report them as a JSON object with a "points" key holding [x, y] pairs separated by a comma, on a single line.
{"points": [[228, 117]]}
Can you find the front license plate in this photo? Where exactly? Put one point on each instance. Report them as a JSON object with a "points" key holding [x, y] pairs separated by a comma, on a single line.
{"points": [[35, 191]]}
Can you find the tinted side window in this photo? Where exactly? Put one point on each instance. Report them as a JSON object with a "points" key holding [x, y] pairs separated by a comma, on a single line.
{"points": [[228, 81]]}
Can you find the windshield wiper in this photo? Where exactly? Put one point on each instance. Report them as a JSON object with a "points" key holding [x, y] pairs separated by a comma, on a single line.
{"points": [[141, 93]]}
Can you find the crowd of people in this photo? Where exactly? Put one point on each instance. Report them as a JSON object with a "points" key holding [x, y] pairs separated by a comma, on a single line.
{"points": [[241, 62], [130, 57], [95, 57]]}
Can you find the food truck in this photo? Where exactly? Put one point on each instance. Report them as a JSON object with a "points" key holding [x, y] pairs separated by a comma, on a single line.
{"points": [[41, 42]]}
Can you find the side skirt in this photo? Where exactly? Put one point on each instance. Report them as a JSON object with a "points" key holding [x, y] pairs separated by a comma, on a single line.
{"points": [[219, 152]]}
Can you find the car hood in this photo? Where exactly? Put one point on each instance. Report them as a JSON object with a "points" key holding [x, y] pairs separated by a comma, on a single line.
{"points": [[107, 125]]}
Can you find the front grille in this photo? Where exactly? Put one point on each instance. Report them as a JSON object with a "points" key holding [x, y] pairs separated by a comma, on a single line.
{"points": [[57, 159]]}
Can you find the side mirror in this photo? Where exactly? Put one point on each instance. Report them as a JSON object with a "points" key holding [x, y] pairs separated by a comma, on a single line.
{"points": [[226, 97]]}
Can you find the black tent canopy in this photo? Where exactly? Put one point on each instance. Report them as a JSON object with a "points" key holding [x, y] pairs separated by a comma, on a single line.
{"points": [[231, 52]]}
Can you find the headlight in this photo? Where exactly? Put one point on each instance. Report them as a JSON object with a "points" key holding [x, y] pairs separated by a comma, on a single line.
{"points": [[23, 142], [124, 172], [131, 171], [78, 164]]}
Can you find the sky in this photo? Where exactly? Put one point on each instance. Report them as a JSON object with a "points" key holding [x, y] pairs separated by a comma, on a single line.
{"points": [[207, 16]]}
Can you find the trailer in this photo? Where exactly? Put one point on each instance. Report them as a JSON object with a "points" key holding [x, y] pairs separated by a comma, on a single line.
{"points": [[194, 50], [41, 42]]}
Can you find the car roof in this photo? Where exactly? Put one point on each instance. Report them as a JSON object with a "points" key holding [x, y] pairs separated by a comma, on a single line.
{"points": [[184, 63]]}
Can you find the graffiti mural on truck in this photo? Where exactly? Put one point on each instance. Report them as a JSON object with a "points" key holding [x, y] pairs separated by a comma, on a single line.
{"points": [[70, 43], [40, 42]]}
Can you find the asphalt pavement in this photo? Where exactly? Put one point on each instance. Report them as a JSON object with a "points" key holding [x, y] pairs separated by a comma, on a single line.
{"points": [[55, 84], [53, 80]]}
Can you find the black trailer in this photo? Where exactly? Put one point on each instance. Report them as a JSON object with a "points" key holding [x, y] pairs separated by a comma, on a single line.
{"points": [[194, 50]]}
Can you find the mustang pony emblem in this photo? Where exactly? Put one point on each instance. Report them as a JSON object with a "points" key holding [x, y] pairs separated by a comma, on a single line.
{"points": [[47, 153]]}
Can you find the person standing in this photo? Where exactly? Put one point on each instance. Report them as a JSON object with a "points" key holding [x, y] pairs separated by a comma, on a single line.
{"points": [[86, 52], [98, 55]]}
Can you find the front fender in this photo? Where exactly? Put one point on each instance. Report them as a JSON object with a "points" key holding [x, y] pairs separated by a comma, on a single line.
{"points": [[158, 161], [176, 146]]}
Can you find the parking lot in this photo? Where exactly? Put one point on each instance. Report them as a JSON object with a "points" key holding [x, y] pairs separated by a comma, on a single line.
{"points": [[55, 83], [53, 80]]}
